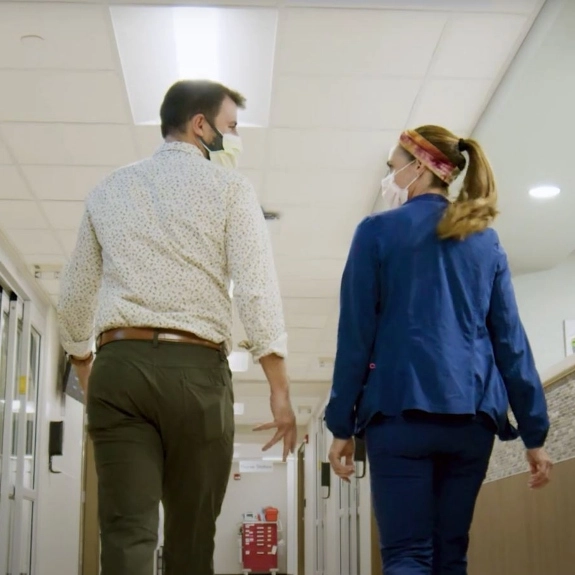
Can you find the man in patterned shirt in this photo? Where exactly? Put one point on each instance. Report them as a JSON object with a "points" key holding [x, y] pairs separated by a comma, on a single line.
{"points": [[148, 284]]}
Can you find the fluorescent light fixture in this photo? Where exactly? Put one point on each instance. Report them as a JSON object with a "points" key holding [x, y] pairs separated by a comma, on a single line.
{"points": [[238, 408], [544, 192], [239, 361], [159, 45], [231, 289], [276, 458]]}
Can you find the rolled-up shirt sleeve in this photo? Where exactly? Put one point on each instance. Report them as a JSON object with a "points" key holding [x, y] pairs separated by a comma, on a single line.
{"points": [[251, 267], [359, 305], [79, 291]]}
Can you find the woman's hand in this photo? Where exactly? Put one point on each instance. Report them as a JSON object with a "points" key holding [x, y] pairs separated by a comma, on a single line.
{"points": [[540, 465], [342, 449]]}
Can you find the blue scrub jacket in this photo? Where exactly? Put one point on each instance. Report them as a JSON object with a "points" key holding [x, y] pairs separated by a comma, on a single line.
{"points": [[431, 325]]}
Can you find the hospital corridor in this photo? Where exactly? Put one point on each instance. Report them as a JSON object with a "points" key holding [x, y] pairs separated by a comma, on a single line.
{"points": [[343, 107]]}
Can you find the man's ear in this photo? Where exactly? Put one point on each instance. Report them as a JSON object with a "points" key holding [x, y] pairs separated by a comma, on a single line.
{"points": [[197, 125]]}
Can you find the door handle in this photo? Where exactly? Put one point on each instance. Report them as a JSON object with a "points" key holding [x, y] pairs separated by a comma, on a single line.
{"points": [[360, 456], [326, 478]]}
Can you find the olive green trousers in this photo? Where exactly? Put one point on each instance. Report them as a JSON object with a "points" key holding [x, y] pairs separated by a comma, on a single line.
{"points": [[162, 422]]}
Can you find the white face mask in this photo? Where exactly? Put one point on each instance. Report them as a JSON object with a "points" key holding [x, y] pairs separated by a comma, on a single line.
{"points": [[229, 156], [394, 195], [224, 149]]}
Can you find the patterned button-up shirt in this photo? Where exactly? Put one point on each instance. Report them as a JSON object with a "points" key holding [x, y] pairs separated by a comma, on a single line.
{"points": [[159, 243]]}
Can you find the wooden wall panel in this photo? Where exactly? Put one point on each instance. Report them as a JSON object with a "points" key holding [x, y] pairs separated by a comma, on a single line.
{"points": [[517, 531]]}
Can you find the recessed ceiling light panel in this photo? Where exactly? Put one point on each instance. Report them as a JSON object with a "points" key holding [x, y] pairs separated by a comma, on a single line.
{"points": [[544, 192]]}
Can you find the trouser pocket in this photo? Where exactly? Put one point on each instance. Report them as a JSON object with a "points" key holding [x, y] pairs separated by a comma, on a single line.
{"points": [[209, 406]]}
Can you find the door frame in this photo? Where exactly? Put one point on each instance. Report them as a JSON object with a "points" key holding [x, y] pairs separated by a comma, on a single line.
{"points": [[301, 504], [13, 491]]}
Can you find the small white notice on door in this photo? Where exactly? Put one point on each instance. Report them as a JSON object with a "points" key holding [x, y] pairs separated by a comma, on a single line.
{"points": [[256, 466]]}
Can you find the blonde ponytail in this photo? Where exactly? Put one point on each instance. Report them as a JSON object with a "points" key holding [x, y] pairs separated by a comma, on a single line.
{"points": [[476, 206]]}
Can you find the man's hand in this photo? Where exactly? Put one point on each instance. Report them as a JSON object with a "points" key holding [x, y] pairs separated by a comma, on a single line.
{"points": [[83, 368], [540, 465], [284, 423], [342, 449]]}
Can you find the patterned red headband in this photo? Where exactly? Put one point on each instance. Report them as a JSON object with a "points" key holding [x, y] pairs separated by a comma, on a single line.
{"points": [[431, 157]]}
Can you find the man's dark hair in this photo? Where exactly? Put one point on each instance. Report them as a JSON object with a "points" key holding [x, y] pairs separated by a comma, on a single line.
{"points": [[187, 98]]}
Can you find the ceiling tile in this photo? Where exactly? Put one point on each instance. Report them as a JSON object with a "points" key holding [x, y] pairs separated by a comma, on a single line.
{"points": [[5, 158], [330, 149], [315, 321], [478, 45], [308, 306], [46, 259], [358, 104], [300, 361], [59, 96], [317, 233], [256, 178], [64, 215], [74, 37], [309, 288], [216, 3], [306, 268], [518, 6], [21, 215], [64, 182], [148, 140], [37, 242], [255, 147], [12, 186], [357, 42], [68, 239], [67, 144], [51, 287], [302, 340], [451, 103], [324, 188]]}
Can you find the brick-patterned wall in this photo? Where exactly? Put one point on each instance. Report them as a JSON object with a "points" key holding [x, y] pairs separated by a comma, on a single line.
{"points": [[509, 457]]}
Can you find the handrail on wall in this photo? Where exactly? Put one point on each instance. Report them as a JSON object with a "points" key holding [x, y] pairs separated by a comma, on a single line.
{"points": [[558, 371]]}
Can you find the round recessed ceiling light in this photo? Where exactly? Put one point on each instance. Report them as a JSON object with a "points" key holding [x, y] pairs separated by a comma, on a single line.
{"points": [[544, 192]]}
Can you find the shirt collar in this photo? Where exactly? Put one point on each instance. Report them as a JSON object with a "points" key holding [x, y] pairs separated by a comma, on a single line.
{"points": [[180, 147], [430, 197]]}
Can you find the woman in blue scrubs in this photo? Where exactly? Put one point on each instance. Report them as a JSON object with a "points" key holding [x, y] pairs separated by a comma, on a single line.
{"points": [[431, 354]]}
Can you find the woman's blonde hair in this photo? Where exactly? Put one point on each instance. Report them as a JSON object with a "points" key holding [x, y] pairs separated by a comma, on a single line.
{"points": [[476, 206]]}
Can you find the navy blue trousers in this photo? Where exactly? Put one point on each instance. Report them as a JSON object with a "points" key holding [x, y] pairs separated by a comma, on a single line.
{"points": [[426, 472]]}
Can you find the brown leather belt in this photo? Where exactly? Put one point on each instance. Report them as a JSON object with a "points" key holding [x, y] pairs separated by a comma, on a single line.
{"points": [[152, 334]]}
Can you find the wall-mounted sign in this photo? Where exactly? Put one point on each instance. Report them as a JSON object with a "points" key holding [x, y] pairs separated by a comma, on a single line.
{"points": [[256, 466]]}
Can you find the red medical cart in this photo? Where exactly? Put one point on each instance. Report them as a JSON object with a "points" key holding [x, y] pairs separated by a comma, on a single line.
{"points": [[260, 547]]}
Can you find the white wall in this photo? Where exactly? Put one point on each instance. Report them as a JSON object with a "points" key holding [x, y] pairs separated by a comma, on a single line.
{"points": [[59, 499], [56, 546], [253, 492], [545, 299]]}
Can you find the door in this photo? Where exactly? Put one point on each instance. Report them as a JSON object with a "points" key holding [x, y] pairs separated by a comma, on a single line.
{"points": [[320, 500], [301, 510], [349, 527], [19, 376]]}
